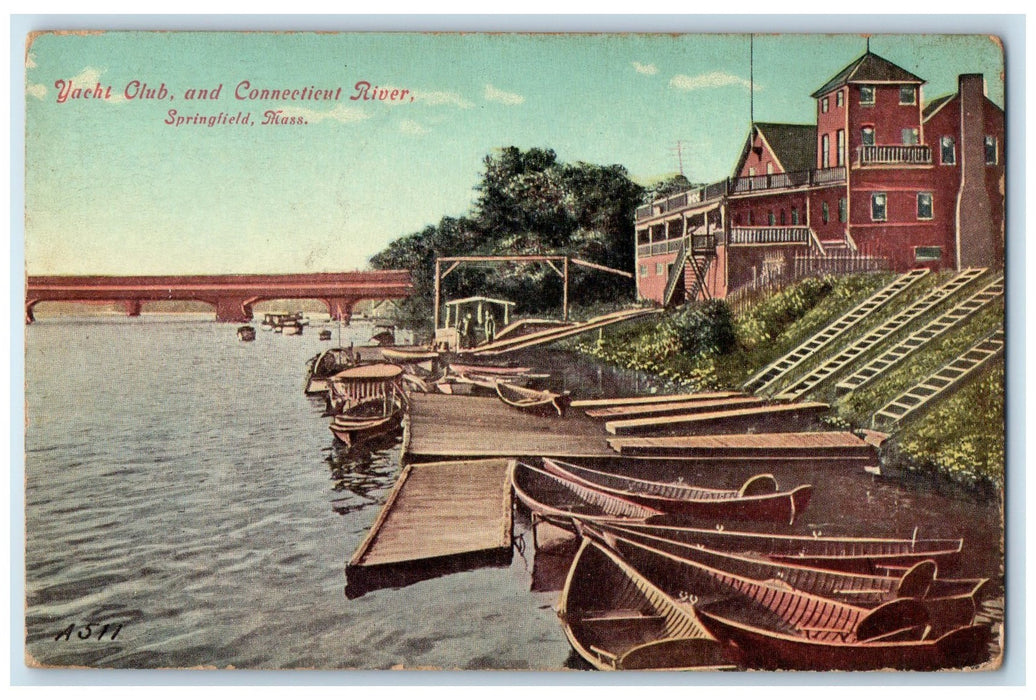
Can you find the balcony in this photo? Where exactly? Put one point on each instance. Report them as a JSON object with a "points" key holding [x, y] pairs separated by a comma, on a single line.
{"points": [[700, 243], [769, 235], [894, 155], [682, 200]]}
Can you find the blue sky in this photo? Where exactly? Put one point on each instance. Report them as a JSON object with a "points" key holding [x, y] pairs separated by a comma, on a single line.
{"points": [[112, 189]]}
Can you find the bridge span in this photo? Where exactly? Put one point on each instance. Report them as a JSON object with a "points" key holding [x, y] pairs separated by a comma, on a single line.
{"points": [[232, 295]]}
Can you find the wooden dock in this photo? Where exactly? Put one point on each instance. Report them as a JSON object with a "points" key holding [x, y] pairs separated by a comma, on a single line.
{"points": [[443, 427], [653, 399], [440, 517], [676, 407], [790, 417], [821, 447]]}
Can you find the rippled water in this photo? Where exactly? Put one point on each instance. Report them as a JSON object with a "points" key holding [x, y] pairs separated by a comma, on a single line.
{"points": [[179, 482]]}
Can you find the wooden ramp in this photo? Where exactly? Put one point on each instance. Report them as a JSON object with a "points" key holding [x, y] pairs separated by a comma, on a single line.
{"points": [[675, 407], [781, 366], [663, 398], [799, 388], [443, 427], [952, 318], [441, 517], [946, 379], [787, 417], [550, 335], [821, 448]]}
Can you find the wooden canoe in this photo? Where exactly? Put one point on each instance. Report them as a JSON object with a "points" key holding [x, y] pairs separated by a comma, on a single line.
{"points": [[776, 626], [533, 400], [408, 355], [759, 498], [949, 602], [488, 369], [617, 620], [558, 500], [853, 554]]}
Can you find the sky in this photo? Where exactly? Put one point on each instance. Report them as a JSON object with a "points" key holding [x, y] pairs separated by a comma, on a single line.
{"points": [[112, 188]]}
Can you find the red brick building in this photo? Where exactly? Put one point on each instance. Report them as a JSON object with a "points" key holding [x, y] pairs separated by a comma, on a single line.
{"points": [[878, 177]]}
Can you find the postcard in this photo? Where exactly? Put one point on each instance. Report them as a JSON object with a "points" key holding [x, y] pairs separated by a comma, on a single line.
{"points": [[551, 352]]}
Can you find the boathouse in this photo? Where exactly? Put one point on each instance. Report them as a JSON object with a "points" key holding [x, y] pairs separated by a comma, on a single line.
{"points": [[878, 178]]}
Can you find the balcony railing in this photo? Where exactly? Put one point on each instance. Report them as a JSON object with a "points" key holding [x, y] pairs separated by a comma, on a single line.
{"points": [[699, 244], [769, 235], [894, 155]]}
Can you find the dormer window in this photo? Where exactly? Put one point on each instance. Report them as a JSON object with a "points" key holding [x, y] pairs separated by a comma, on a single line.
{"points": [[823, 105], [866, 94], [907, 95]]}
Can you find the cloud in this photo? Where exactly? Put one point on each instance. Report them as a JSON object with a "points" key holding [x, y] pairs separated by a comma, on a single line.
{"points": [[440, 97], [409, 126], [645, 68], [339, 113], [506, 98], [707, 80], [37, 90]]}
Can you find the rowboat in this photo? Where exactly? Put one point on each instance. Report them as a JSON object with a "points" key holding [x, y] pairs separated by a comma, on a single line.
{"points": [[325, 334], [776, 626], [618, 620], [322, 366], [246, 333], [368, 419], [533, 400], [853, 554], [458, 368], [557, 500], [408, 355], [290, 329], [949, 602], [759, 498]]}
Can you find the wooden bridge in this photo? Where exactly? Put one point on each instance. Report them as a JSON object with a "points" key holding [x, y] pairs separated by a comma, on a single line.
{"points": [[232, 295]]}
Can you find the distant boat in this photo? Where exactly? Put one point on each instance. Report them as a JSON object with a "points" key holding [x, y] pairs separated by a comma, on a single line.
{"points": [[759, 498], [291, 329], [325, 334], [384, 334], [246, 333], [279, 320], [533, 400], [616, 619]]}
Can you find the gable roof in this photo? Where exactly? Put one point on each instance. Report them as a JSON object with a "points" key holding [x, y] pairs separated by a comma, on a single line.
{"points": [[935, 105], [793, 145], [868, 68]]}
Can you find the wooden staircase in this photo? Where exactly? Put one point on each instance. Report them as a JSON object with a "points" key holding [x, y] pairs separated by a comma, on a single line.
{"points": [[947, 379], [955, 316], [676, 276], [780, 367], [841, 360]]}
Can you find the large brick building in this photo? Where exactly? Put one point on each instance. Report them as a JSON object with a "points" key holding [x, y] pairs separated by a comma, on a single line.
{"points": [[878, 176]]}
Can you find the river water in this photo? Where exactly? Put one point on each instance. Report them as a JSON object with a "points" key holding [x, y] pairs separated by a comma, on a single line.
{"points": [[179, 484]]}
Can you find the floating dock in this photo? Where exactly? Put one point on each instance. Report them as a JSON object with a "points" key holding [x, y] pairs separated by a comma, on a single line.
{"points": [[443, 427], [780, 417], [834, 447], [440, 517]]}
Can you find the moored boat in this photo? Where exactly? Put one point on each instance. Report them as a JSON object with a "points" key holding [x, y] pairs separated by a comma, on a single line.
{"points": [[408, 355], [361, 383], [368, 419], [533, 400], [617, 620], [246, 333], [321, 367], [759, 498], [325, 334], [773, 625]]}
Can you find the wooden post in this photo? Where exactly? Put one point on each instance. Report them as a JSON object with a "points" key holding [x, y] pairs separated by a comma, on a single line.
{"points": [[564, 303], [436, 316]]}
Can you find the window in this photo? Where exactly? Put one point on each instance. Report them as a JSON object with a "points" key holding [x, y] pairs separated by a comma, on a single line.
{"points": [[911, 137], [924, 205], [825, 151], [840, 161], [824, 215], [839, 99], [927, 253], [749, 218], [659, 268], [772, 219], [643, 270], [866, 94], [843, 209], [782, 217], [907, 95], [948, 149], [769, 168], [878, 206], [823, 105], [751, 172], [868, 136], [794, 217], [991, 150]]}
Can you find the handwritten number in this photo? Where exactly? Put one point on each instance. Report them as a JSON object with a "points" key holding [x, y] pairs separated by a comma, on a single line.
{"points": [[66, 633], [118, 628], [88, 629]]}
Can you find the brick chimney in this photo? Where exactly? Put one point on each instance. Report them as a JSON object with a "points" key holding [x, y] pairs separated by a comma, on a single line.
{"points": [[976, 231]]}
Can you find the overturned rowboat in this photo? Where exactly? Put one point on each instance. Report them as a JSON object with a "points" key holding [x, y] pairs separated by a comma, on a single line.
{"points": [[533, 400], [759, 498]]}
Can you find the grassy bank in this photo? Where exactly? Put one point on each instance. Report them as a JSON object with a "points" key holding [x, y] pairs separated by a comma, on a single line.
{"points": [[705, 347]]}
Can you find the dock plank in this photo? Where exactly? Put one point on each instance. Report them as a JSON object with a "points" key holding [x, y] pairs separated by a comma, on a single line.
{"points": [[441, 509], [442, 427], [675, 407], [793, 414], [762, 446], [654, 399]]}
